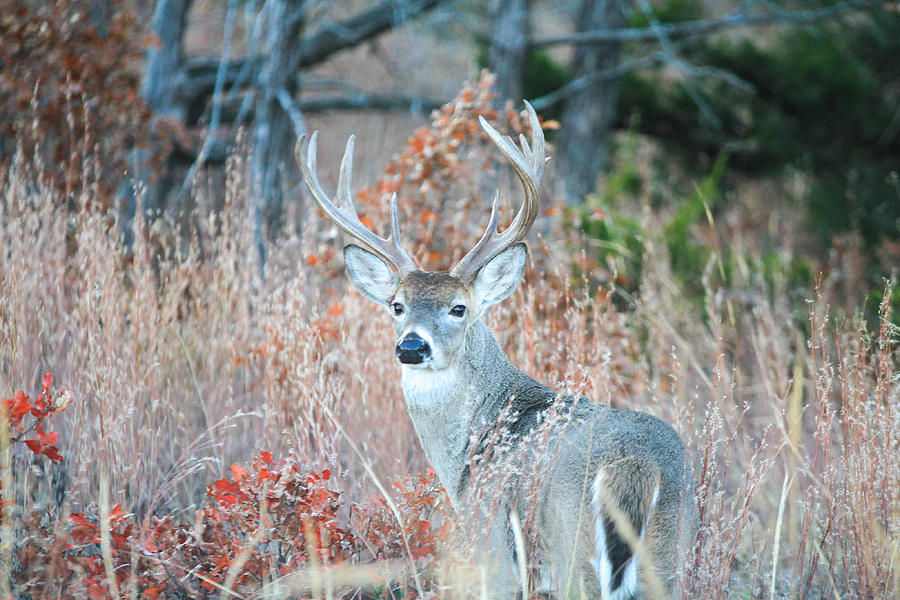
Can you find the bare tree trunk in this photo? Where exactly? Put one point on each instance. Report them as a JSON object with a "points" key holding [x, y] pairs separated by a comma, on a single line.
{"points": [[589, 113], [164, 58], [159, 88], [268, 82], [274, 131], [508, 52]]}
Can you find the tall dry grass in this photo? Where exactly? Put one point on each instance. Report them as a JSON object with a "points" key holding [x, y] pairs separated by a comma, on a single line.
{"points": [[184, 356]]}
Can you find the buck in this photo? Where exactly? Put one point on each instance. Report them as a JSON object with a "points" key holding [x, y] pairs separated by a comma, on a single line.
{"points": [[613, 511]]}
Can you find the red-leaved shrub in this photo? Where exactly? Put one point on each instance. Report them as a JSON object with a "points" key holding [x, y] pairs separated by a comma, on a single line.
{"points": [[24, 418], [257, 525]]}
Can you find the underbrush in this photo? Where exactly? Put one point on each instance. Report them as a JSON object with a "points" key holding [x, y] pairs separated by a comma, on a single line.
{"points": [[189, 370]]}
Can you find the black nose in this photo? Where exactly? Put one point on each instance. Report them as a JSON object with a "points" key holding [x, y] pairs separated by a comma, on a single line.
{"points": [[413, 350]]}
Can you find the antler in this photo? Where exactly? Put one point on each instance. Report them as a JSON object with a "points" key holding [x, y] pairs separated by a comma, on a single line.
{"points": [[343, 214], [529, 165]]}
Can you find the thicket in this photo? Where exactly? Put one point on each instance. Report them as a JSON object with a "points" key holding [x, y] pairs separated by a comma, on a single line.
{"points": [[821, 100], [70, 105], [813, 109]]}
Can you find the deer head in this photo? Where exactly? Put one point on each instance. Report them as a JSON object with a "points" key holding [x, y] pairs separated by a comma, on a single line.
{"points": [[432, 311]]}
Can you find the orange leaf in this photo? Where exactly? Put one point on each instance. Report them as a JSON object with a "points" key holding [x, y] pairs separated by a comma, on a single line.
{"points": [[238, 471], [16, 407]]}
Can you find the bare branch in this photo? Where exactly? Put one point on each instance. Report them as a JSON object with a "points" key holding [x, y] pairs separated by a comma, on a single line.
{"points": [[670, 52], [200, 74], [582, 83], [625, 67], [217, 152], [362, 100], [293, 111], [340, 35], [706, 26]]}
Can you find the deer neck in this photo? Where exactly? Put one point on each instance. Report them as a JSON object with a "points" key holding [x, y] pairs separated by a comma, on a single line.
{"points": [[449, 406]]}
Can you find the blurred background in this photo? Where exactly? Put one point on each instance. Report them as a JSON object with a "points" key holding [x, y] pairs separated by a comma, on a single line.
{"points": [[780, 118]]}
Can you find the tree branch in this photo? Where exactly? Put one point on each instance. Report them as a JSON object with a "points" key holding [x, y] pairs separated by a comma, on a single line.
{"points": [[582, 83], [368, 101], [293, 111], [669, 51], [340, 35], [706, 26], [200, 74], [218, 151]]}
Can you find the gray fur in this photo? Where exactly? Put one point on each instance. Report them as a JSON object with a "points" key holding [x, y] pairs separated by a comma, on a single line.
{"points": [[558, 447]]}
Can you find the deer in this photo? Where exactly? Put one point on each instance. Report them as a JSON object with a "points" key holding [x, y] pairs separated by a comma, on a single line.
{"points": [[614, 508]]}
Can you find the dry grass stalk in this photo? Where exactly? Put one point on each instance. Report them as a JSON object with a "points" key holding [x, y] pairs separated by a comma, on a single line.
{"points": [[184, 358]]}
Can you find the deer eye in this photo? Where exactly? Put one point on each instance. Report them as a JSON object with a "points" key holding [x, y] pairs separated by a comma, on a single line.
{"points": [[458, 311], [397, 308]]}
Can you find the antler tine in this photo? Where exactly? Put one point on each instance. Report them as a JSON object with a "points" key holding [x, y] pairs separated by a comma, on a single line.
{"points": [[345, 174], [343, 214], [528, 162]]}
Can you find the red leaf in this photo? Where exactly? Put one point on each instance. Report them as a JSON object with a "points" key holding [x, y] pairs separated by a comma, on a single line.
{"points": [[238, 471], [45, 444], [264, 474], [84, 531], [226, 492], [17, 407]]}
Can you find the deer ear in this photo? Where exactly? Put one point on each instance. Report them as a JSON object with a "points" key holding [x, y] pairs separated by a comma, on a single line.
{"points": [[371, 275], [500, 277]]}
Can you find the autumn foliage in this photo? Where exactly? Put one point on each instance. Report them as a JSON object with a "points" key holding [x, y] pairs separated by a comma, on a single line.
{"points": [[258, 524], [25, 418], [69, 99], [435, 160], [184, 357]]}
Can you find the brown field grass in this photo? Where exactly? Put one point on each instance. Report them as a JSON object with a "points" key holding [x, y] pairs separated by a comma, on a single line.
{"points": [[181, 357]]}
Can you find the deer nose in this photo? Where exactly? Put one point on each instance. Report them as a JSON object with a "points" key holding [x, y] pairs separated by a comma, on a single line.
{"points": [[413, 350]]}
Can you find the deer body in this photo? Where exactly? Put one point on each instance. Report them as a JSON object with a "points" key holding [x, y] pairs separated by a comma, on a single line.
{"points": [[608, 492], [451, 409]]}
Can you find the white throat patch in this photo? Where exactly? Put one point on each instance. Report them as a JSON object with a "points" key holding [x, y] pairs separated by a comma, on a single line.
{"points": [[424, 388]]}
